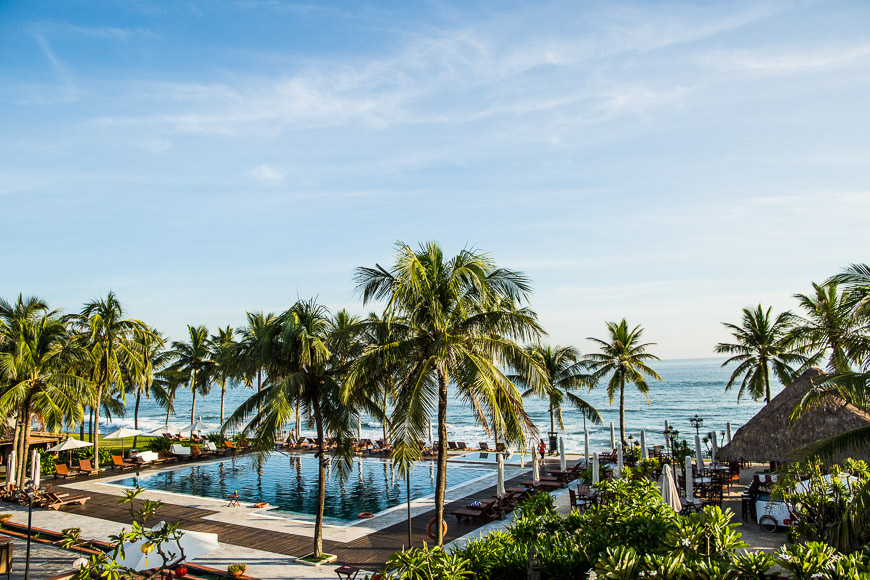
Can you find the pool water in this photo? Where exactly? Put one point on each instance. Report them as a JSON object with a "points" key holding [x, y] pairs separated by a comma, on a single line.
{"points": [[289, 482]]}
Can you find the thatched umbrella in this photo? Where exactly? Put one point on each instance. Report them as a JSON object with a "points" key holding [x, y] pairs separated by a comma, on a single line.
{"points": [[769, 437]]}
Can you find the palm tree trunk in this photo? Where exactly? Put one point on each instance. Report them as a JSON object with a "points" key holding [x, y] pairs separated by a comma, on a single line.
{"points": [[622, 411], [384, 420], [193, 406], [95, 426], [298, 420], [321, 482], [259, 388], [552, 420], [136, 414], [441, 477], [82, 427], [223, 396], [766, 382]]}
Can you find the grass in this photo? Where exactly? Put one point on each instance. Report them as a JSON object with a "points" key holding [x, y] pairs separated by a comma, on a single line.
{"points": [[310, 557], [125, 443]]}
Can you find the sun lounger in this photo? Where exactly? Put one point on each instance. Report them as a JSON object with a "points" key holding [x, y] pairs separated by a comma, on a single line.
{"points": [[86, 467], [484, 446], [53, 501], [163, 457], [485, 510], [180, 451], [63, 470], [462, 446], [119, 463], [544, 485], [451, 446]]}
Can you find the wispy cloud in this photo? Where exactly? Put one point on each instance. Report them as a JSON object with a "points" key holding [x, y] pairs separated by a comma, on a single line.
{"points": [[69, 91], [268, 175], [788, 61]]}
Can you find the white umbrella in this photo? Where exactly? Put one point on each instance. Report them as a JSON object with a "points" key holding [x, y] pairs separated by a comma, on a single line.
{"points": [[123, 433], [690, 492], [10, 470], [499, 486], [643, 444], [612, 437], [198, 426], [670, 496], [586, 444], [563, 462], [619, 461], [699, 458], [536, 472], [713, 448], [596, 474], [35, 469], [194, 544], [166, 430], [727, 433], [68, 445]]}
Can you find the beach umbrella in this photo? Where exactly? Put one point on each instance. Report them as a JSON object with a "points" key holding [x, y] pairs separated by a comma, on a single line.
{"points": [[563, 462], [198, 426], [536, 473], [165, 430], [643, 444], [699, 458], [727, 433], [713, 448], [619, 461], [194, 544], [596, 470], [10, 470], [35, 469], [586, 444], [670, 496], [612, 437], [690, 492], [499, 486], [68, 445], [123, 433]]}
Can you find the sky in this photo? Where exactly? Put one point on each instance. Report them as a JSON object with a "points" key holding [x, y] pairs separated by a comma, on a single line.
{"points": [[666, 162]]}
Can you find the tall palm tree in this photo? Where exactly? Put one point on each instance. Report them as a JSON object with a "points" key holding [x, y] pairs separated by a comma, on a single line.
{"points": [[378, 330], [255, 348], [302, 368], [563, 370], [110, 338], [194, 359], [624, 358], [762, 342], [36, 354], [143, 377], [458, 319], [225, 354], [828, 329]]}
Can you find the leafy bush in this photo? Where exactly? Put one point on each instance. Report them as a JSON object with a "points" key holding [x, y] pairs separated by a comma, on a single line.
{"points": [[753, 565], [537, 504], [158, 444], [88, 453], [47, 461], [428, 564]]}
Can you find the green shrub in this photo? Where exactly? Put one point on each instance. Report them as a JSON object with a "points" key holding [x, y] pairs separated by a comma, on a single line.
{"points": [[427, 564], [753, 565], [47, 461], [157, 444], [807, 561], [539, 503], [497, 556]]}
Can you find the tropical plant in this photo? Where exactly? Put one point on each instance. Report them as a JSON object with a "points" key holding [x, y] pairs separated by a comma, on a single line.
{"points": [[36, 355], [806, 561], [225, 356], [302, 369], [255, 349], [110, 340], [427, 564], [761, 342], [829, 328], [624, 358], [458, 319], [194, 359], [143, 373], [563, 370]]}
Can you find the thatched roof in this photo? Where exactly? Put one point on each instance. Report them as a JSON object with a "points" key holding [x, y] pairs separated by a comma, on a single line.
{"points": [[768, 436]]}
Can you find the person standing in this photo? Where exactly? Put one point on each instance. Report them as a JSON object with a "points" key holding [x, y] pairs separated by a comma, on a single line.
{"points": [[542, 448]]}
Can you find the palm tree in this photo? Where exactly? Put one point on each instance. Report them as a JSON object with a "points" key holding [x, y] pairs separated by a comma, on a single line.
{"points": [[302, 368], [143, 377], [624, 358], [563, 370], [829, 327], [762, 342], [255, 348], [193, 358], [36, 354], [457, 319], [110, 338], [225, 354]]}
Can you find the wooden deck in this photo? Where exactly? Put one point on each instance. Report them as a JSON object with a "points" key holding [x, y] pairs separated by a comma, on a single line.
{"points": [[368, 552]]}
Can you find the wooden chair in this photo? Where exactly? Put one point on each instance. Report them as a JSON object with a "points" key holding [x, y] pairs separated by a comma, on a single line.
{"points": [[63, 470], [53, 501], [462, 446], [86, 467], [451, 446], [484, 446], [118, 462]]}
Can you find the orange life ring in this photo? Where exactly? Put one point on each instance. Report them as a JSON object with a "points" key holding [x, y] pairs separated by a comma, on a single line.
{"points": [[365, 515], [261, 504], [429, 529]]}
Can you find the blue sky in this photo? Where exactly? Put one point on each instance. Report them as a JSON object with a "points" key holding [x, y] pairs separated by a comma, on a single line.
{"points": [[666, 162]]}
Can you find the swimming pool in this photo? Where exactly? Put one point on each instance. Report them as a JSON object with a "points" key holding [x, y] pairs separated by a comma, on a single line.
{"points": [[289, 482]]}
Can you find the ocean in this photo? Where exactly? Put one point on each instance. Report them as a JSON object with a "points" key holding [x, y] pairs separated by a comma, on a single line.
{"points": [[690, 386]]}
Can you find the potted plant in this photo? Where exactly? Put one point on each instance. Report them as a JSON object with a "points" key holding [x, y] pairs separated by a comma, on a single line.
{"points": [[236, 570]]}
